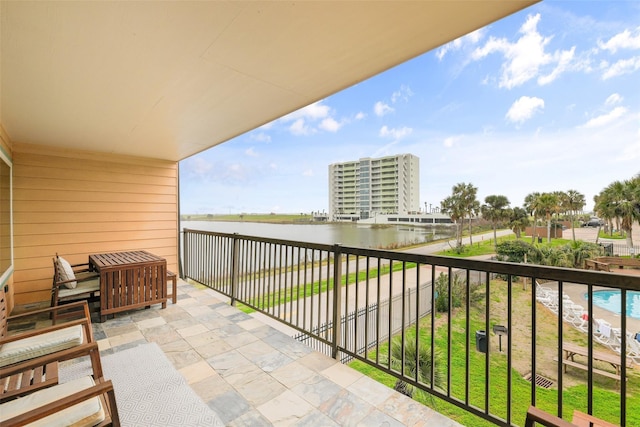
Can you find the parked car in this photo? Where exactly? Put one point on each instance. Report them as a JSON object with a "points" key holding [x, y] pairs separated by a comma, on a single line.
{"points": [[594, 222]]}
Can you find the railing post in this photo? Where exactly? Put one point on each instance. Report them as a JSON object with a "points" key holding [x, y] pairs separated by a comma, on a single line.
{"points": [[235, 267], [337, 300], [186, 247]]}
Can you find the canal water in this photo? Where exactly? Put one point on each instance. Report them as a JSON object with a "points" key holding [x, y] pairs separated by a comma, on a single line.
{"points": [[346, 234]]}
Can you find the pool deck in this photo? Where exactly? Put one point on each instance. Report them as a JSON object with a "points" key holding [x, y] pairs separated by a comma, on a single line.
{"points": [[577, 294]]}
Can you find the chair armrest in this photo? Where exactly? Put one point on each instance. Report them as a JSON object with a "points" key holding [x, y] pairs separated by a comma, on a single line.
{"points": [[40, 331], [51, 309], [535, 415], [87, 349], [102, 387]]}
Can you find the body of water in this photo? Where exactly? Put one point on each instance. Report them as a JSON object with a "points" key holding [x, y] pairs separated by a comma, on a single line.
{"points": [[346, 234]]}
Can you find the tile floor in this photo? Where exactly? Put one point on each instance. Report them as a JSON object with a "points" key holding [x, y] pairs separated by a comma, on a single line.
{"points": [[252, 374]]}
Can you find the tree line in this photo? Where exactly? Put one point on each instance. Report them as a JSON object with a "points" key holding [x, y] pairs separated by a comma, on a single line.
{"points": [[618, 203]]}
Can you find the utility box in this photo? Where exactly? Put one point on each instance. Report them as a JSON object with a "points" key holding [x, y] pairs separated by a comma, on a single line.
{"points": [[481, 341]]}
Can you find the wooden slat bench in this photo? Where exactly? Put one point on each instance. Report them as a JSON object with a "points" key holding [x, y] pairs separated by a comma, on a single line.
{"points": [[591, 264], [619, 261], [604, 263], [568, 362]]}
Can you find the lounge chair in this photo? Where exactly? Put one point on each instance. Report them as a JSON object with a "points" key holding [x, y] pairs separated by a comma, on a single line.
{"points": [[605, 334], [20, 351], [573, 313], [87, 401], [633, 347]]}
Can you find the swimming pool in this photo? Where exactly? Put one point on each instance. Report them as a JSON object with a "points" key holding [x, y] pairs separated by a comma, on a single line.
{"points": [[610, 300]]}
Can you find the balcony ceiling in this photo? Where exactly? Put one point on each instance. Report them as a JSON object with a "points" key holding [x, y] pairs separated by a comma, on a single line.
{"points": [[170, 79]]}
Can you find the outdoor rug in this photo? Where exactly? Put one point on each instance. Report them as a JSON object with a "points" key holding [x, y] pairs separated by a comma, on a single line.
{"points": [[149, 391]]}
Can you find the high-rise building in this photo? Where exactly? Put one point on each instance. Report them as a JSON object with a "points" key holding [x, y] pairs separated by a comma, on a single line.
{"points": [[367, 187]]}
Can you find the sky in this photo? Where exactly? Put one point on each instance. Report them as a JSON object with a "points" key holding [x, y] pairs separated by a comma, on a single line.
{"points": [[547, 99]]}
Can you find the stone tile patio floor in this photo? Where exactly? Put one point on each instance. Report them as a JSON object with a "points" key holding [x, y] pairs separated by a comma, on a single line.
{"points": [[252, 374]]}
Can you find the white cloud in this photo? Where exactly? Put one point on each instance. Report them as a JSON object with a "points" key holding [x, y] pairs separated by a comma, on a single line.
{"points": [[404, 93], [313, 111], [299, 127], [260, 137], [613, 99], [630, 152], [397, 134], [360, 115], [251, 152], [311, 119], [380, 108], [451, 141], [607, 118], [623, 40], [273, 166], [524, 108], [330, 125], [624, 66], [307, 172], [468, 40], [524, 58], [564, 60], [199, 166]]}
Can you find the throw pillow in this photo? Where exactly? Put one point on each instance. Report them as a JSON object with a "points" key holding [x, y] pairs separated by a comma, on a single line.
{"points": [[66, 273]]}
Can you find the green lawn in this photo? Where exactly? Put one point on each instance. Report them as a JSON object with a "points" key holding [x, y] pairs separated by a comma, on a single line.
{"points": [[486, 246], [614, 235], [606, 397]]}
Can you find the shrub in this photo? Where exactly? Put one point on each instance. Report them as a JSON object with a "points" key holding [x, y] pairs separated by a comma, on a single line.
{"points": [[458, 292]]}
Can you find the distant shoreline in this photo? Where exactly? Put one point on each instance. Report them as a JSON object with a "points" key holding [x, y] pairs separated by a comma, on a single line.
{"points": [[260, 218]]}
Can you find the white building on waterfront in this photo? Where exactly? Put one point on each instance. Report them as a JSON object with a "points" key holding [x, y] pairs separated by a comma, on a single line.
{"points": [[365, 188]]}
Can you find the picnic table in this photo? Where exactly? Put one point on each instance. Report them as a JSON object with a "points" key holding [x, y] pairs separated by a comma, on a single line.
{"points": [[571, 350]]}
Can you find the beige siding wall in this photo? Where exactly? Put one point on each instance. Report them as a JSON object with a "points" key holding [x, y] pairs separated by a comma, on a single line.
{"points": [[77, 203]]}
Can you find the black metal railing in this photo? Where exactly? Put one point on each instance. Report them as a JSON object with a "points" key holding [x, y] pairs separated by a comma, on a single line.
{"points": [[393, 302]]}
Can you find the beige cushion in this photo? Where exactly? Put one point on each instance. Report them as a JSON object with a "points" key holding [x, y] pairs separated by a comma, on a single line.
{"points": [[82, 288], [87, 413], [66, 272], [39, 345]]}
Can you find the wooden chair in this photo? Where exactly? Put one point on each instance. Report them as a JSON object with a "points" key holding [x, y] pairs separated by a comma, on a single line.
{"points": [[580, 419], [23, 356], [88, 400], [73, 282], [537, 416]]}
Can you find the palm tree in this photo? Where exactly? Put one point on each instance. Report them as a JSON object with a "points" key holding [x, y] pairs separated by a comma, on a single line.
{"points": [[603, 208], [462, 203], [574, 201], [452, 207], [531, 206], [467, 195], [495, 210], [621, 200], [417, 364], [518, 220], [547, 205]]}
